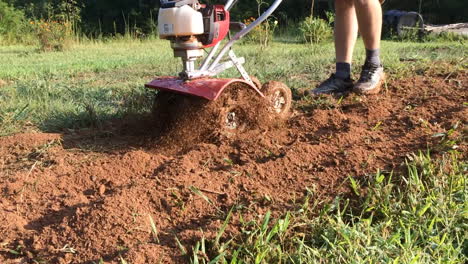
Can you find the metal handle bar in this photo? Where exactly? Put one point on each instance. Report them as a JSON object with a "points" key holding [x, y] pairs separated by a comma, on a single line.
{"points": [[229, 4], [239, 34], [258, 21]]}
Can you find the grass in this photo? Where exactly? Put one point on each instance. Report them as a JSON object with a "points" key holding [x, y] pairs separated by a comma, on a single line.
{"points": [[97, 81], [154, 229], [417, 217]]}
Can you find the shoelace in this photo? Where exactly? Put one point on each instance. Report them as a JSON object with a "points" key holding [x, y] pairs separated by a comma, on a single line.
{"points": [[367, 71], [332, 80]]}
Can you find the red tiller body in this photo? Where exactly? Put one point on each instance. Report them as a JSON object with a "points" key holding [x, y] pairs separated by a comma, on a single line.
{"points": [[208, 88], [197, 78], [216, 22]]}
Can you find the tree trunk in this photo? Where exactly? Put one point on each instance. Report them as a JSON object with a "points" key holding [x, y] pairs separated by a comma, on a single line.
{"points": [[312, 8]]}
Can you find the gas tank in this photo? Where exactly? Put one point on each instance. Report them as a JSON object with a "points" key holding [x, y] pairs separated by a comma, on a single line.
{"points": [[179, 21]]}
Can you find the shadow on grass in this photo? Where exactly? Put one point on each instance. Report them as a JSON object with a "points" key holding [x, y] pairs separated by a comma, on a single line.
{"points": [[114, 134], [18, 51]]}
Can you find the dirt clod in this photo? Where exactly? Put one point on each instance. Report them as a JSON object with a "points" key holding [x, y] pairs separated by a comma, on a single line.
{"points": [[102, 189]]}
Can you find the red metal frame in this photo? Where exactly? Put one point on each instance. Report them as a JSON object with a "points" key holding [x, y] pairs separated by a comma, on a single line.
{"points": [[208, 88], [221, 27]]}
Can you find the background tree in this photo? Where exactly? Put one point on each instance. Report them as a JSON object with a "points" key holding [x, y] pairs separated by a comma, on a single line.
{"points": [[118, 16]]}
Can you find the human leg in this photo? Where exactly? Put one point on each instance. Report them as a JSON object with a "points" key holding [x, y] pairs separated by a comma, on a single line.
{"points": [[346, 28], [369, 17]]}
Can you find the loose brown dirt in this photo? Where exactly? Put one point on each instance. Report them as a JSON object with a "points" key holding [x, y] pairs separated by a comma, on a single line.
{"points": [[80, 196]]}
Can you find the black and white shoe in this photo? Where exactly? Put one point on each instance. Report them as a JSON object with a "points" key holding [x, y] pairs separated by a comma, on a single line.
{"points": [[371, 79], [333, 85]]}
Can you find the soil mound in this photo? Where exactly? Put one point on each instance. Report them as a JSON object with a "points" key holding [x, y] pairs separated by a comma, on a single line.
{"points": [[84, 195], [184, 121]]}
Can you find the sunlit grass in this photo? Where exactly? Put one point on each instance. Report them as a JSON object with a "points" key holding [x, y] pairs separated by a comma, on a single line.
{"points": [[96, 81], [415, 217]]}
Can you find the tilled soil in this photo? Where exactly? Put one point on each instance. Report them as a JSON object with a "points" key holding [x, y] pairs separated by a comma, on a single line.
{"points": [[80, 196]]}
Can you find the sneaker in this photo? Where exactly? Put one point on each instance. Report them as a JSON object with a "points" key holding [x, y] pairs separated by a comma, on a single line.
{"points": [[371, 79], [333, 85]]}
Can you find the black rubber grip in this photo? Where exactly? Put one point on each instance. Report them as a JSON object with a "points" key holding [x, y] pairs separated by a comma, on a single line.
{"points": [[168, 5]]}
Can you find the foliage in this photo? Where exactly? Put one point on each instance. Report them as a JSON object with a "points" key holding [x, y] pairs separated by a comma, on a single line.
{"points": [[445, 36], [12, 23], [68, 11], [52, 23], [288, 10], [263, 33], [418, 218], [64, 10], [316, 30], [53, 35], [111, 17]]}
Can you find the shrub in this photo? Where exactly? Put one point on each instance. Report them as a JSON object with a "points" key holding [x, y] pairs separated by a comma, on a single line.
{"points": [[53, 35], [12, 23], [263, 33], [315, 30]]}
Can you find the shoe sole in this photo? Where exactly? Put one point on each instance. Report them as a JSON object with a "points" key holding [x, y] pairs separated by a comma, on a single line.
{"points": [[376, 89]]}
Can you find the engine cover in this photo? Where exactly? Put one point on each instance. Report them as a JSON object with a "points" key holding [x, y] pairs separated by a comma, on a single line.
{"points": [[181, 21], [216, 21]]}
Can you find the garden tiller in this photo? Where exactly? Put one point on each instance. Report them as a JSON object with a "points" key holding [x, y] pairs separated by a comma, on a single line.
{"points": [[193, 27]]}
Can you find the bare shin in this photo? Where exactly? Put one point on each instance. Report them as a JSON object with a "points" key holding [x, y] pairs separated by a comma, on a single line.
{"points": [[346, 29], [369, 17]]}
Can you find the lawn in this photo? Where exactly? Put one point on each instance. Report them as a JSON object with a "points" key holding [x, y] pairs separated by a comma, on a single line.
{"points": [[57, 90]]}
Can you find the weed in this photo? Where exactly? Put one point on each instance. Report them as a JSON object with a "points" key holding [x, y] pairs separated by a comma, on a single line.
{"points": [[17, 251], [178, 201], [68, 249], [122, 260], [229, 162], [450, 139], [154, 229], [53, 35], [10, 120], [101, 261], [319, 102], [316, 30], [355, 186], [182, 249], [39, 152], [263, 33], [377, 126], [416, 218], [13, 26]]}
